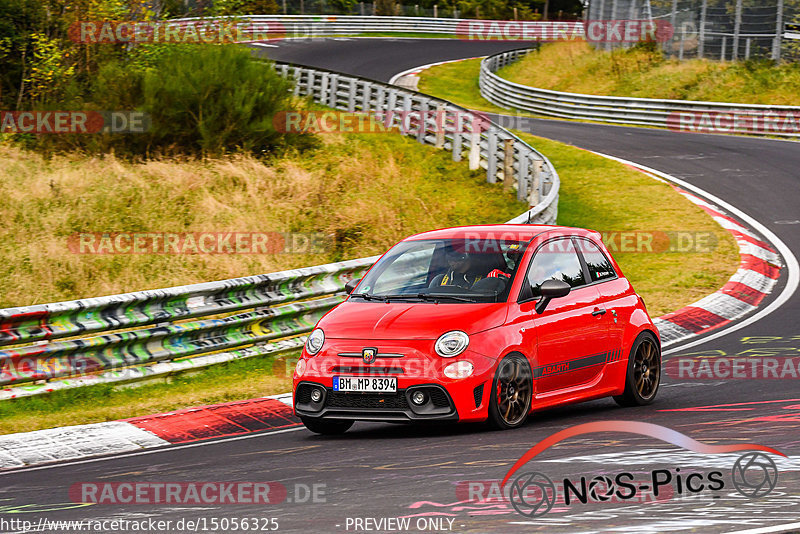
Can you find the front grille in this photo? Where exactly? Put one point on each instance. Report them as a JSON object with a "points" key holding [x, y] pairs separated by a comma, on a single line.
{"points": [[478, 393], [365, 400], [303, 394]]}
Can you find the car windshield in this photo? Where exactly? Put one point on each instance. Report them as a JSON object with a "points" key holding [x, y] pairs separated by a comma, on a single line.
{"points": [[444, 270]]}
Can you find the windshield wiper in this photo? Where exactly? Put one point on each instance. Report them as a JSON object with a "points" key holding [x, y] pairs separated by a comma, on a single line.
{"points": [[437, 296], [427, 297], [366, 296]]}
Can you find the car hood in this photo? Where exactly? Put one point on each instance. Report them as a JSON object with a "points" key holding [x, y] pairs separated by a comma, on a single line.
{"points": [[405, 320]]}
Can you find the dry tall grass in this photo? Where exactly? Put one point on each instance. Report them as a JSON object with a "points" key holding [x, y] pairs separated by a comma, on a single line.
{"points": [[366, 191]]}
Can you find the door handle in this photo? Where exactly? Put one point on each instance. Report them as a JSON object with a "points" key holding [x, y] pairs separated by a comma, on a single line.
{"points": [[597, 312]]}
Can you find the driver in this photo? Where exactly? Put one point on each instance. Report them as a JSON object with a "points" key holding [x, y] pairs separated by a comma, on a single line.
{"points": [[459, 263], [461, 272]]}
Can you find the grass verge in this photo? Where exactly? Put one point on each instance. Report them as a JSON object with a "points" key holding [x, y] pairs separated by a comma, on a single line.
{"points": [[644, 72]]}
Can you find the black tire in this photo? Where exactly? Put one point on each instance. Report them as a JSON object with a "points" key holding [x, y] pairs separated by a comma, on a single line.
{"points": [[644, 372], [326, 428], [512, 393]]}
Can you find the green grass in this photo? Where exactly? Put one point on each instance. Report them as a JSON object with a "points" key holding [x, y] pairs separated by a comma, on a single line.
{"points": [[457, 82], [644, 72]]}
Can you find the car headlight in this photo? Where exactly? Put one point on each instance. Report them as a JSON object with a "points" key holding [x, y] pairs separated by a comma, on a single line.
{"points": [[451, 344], [300, 368], [315, 341], [461, 369]]}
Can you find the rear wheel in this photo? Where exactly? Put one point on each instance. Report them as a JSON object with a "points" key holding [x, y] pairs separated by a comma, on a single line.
{"points": [[512, 391], [644, 372], [327, 428]]}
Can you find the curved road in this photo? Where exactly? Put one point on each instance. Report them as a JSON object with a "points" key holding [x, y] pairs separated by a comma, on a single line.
{"points": [[385, 471]]}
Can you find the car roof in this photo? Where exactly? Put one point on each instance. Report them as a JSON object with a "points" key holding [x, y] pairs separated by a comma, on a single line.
{"points": [[521, 232]]}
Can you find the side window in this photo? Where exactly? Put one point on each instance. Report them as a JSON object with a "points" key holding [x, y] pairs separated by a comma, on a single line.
{"points": [[556, 260], [600, 267]]}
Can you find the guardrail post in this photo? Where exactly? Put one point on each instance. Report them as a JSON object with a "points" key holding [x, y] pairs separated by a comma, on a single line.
{"points": [[380, 97], [351, 96], [457, 141], [523, 177], [323, 88], [310, 84], [423, 126], [534, 197], [333, 98], [388, 120], [491, 156], [366, 95], [508, 163], [298, 75], [440, 125], [475, 146]]}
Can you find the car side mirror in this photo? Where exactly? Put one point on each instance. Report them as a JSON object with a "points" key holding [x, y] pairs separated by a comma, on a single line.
{"points": [[551, 289], [351, 285]]}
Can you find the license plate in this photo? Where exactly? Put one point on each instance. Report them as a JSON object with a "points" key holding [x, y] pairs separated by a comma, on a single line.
{"points": [[365, 384]]}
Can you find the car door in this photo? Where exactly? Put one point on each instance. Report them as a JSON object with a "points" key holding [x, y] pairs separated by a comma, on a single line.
{"points": [[572, 335], [615, 291]]}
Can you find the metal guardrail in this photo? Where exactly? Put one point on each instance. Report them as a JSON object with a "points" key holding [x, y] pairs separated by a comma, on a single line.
{"points": [[151, 334], [723, 117], [300, 26]]}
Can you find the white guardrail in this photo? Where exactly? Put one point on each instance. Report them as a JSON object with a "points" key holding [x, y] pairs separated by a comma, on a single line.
{"points": [[680, 115], [152, 334], [308, 26]]}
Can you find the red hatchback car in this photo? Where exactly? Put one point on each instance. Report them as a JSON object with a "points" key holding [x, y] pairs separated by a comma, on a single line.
{"points": [[479, 323]]}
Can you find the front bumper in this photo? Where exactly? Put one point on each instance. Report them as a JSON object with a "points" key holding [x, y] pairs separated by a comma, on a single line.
{"points": [[415, 367], [396, 407]]}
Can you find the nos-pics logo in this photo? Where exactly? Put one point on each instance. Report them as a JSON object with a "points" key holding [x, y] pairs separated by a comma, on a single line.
{"points": [[533, 494]]}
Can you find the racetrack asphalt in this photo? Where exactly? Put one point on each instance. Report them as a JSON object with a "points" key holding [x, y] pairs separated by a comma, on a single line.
{"points": [[392, 471]]}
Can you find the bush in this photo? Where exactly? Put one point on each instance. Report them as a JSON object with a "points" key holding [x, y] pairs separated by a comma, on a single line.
{"points": [[202, 100], [212, 100]]}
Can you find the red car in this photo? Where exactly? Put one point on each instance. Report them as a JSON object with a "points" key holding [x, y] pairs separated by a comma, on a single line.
{"points": [[479, 323]]}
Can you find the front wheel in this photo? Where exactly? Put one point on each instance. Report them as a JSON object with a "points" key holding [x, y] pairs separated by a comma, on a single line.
{"points": [[326, 428], [644, 372], [512, 391]]}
